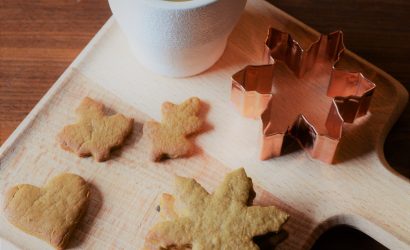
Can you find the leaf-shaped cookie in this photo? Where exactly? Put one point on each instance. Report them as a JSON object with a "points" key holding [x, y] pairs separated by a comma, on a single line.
{"points": [[50, 213], [222, 220], [168, 138], [95, 133]]}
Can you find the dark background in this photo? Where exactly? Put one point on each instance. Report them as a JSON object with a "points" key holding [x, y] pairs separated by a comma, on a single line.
{"points": [[40, 38]]}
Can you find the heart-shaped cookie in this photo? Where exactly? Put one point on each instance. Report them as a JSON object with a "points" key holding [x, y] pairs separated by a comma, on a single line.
{"points": [[51, 212]]}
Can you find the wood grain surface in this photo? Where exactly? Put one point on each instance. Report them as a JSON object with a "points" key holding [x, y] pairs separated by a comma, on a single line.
{"points": [[39, 39]]}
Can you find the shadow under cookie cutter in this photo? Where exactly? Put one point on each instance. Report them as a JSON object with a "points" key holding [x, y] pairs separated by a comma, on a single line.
{"points": [[299, 93]]}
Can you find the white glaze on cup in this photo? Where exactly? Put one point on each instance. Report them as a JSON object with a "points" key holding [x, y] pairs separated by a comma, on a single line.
{"points": [[177, 39]]}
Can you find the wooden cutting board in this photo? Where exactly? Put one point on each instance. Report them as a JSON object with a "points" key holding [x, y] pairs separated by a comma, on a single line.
{"points": [[360, 190]]}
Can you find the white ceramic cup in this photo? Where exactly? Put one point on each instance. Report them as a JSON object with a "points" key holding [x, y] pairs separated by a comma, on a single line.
{"points": [[177, 39]]}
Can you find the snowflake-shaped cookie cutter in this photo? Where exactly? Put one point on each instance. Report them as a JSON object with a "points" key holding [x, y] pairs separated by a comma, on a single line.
{"points": [[300, 93]]}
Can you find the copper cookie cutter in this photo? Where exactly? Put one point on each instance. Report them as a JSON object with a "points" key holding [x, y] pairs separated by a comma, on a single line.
{"points": [[299, 93]]}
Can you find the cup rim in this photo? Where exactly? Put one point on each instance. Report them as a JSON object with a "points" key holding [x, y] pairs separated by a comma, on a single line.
{"points": [[189, 4]]}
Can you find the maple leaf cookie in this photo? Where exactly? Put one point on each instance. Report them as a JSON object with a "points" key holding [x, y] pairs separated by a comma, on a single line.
{"points": [[168, 138], [50, 213], [222, 220], [95, 133]]}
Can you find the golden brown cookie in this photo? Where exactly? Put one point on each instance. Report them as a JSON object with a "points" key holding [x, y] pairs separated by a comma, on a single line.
{"points": [[95, 133], [168, 138], [50, 213], [222, 220]]}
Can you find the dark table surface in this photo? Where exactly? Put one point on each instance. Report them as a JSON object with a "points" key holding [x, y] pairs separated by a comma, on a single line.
{"points": [[40, 38]]}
